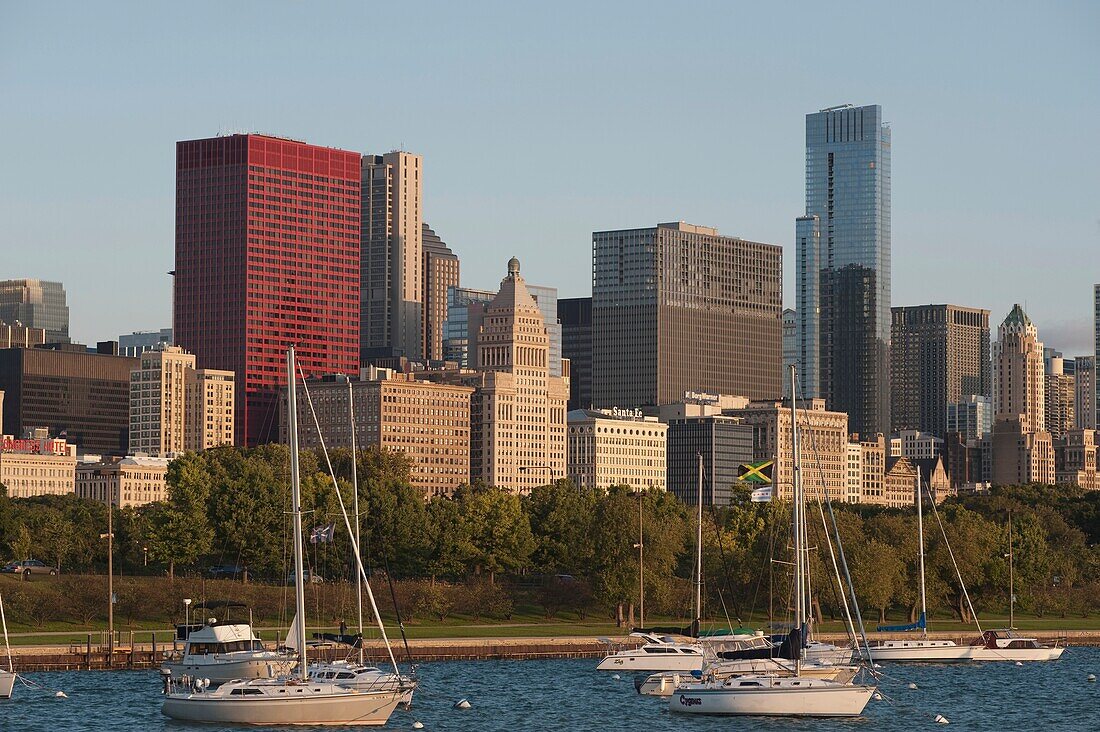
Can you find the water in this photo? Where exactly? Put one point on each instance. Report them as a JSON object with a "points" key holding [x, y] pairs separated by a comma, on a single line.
{"points": [[569, 696]]}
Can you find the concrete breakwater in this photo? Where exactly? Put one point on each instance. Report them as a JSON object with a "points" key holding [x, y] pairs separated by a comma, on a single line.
{"points": [[145, 651]]}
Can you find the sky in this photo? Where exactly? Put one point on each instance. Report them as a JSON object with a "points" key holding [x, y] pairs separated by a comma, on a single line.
{"points": [[540, 123]]}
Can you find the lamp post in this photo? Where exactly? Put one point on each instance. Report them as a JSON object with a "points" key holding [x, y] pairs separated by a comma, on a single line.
{"points": [[110, 537], [186, 617], [145, 555], [640, 546], [549, 471]]}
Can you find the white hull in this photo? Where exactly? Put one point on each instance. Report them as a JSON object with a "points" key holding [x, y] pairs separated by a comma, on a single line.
{"points": [[820, 700], [920, 651], [220, 672], [364, 678], [978, 653], [351, 708], [651, 662], [666, 682], [7, 681]]}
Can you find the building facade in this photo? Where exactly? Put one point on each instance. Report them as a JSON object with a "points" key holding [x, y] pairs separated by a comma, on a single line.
{"points": [[158, 402], [1084, 387], [874, 454], [899, 483], [1021, 456], [575, 316], [1075, 459], [616, 447], [392, 258], [972, 417], [456, 328], [140, 341], [916, 445], [939, 355], [37, 467], [428, 422], [20, 336], [678, 308], [36, 304], [1019, 385], [790, 349], [518, 410], [267, 255], [131, 481], [843, 265], [725, 443], [441, 273], [824, 440], [208, 413], [1058, 396], [69, 392]]}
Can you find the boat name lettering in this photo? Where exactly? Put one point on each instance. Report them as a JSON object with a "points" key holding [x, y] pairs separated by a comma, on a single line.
{"points": [[690, 701]]}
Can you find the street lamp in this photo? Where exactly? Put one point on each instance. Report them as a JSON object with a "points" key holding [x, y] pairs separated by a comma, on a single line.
{"points": [[186, 617], [145, 554], [549, 471]]}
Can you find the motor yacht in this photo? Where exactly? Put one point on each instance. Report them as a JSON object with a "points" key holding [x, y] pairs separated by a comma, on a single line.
{"points": [[222, 651], [655, 654], [1005, 645]]}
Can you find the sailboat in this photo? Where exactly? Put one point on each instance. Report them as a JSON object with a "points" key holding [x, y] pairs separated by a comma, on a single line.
{"points": [[297, 699], [7, 676], [664, 653], [774, 694], [923, 649]]}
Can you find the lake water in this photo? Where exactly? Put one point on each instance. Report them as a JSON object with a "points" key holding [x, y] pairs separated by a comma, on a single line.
{"points": [[571, 696]]}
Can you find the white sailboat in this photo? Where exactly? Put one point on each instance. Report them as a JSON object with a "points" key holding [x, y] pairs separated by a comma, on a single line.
{"points": [[923, 649], [774, 694], [7, 676], [294, 700]]}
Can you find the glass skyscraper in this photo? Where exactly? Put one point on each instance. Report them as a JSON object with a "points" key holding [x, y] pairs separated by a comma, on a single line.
{"points": [[843, 261]]}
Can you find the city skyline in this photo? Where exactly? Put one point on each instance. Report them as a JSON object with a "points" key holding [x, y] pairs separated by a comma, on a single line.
{"points": [[956, 192]]}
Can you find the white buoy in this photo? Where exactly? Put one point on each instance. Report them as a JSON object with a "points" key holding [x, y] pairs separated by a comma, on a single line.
{"points": [[940, 719], [61, 695], [1091, 677], [878, 665], [912, 685], [1019, 663], [616, 677], [462, 704], [418, 724], [876, 696]]}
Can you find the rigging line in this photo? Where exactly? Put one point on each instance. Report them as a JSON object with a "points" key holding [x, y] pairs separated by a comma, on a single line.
{"points": [[347, 524], [958, 572], [396, 607], [725, 569]]}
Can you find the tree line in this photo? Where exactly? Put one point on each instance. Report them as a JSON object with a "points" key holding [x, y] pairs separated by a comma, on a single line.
{"points": [[230, 506]]}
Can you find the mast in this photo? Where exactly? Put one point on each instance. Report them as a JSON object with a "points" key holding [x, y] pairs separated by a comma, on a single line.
{"points": [[920, 538], [7, 646], [1011, 589], [355, 488], [296, 512], [699, 554], [796, 517], [641, 566]]}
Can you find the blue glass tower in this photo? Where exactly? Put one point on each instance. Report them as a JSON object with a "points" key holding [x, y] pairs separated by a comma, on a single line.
{"points": [[843, 260]]}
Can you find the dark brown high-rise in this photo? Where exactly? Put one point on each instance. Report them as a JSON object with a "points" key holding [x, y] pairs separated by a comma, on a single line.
{"points": [[678, 308], [939, 355]]}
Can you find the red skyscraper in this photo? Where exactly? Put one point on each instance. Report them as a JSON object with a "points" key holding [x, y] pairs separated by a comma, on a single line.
{"points": [[267, 254]]}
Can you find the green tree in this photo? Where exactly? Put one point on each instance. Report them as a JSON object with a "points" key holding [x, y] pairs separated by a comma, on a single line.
{"points": [[178, 530], [499, 531], [561, 518]]}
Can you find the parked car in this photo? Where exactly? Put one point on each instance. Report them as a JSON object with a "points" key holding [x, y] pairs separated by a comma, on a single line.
{"points": [[311, 577], [225, 571], [27, 567]]}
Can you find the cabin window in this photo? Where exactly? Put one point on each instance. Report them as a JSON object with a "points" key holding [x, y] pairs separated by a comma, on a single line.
{"points": [[252, 692], [344, 675]]}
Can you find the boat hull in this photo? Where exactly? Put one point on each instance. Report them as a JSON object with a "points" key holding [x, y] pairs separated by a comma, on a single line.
{"points": [[665, 683], [651, 662], [1015, 654], [7, 682], [221, 672], [351, 710], [825, 701], [920, 652]]}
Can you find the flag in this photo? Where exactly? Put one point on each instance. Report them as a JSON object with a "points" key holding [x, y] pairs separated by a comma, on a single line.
{"points": [[763, 494], [758, 472], [322, 534]]}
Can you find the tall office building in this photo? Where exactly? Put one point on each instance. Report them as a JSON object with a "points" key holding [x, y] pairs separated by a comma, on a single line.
{"points": [[972, 417], [725, 443], [456, 328], [267, 255], [158, 399], [517, 415], [1058, 388], [1019, 386], [843, 253], [678, 308], [208, 413], [575, 316], [441, 270], [36, 304], [1096, 348], [140, 341], [392, 257], [547, 300], [939, 355], [616, 447], [1084, 389], [790, 348]]}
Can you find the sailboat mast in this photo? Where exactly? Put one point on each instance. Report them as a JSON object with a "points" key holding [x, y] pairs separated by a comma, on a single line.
{"points": [[699, 553], [1011, 578], [796, 516], [7, 646], [296, 512], [920, 539], [641, 566], [355, 489]]}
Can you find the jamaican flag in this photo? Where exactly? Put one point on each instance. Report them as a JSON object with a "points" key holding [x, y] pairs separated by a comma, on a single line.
{"points": [[758, 472]]}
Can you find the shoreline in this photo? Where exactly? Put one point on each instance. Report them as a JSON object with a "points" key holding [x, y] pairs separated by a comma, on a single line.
{"points": [[143, 655]]}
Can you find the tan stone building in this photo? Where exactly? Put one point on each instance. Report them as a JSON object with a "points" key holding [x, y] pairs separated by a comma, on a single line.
{"points": [[1018, 383], [131, 481], [1059, 398], [873, 457], [1021, 457], [900, 483], [824, 441], [1075, 460], [517, 422], [175, 407], [32, 467], [616, 447], [429, 422], [209, 409]]}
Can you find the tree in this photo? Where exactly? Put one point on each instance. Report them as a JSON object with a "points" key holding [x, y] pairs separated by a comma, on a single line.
{"points": [[499, 531], [179, 530], [561, 518], [877, 572]]}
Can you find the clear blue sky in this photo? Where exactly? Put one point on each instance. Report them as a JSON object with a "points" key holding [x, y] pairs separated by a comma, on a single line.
{"points": [[540, 123]]}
